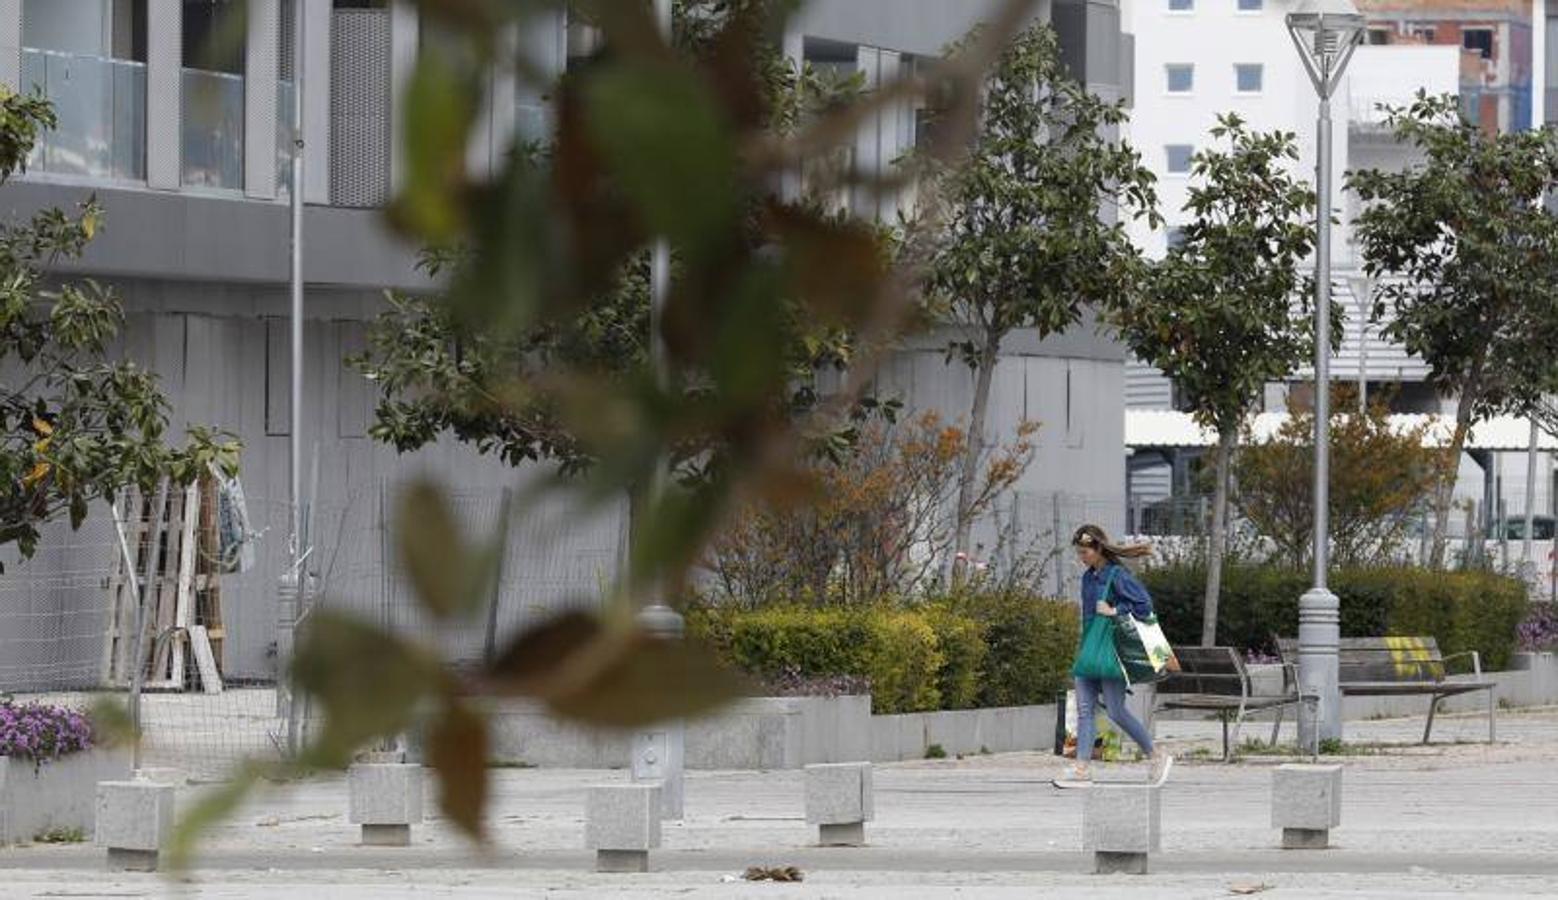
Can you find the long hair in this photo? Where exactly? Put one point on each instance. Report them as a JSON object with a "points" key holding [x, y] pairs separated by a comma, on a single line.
{"points": [[1095, 537]]}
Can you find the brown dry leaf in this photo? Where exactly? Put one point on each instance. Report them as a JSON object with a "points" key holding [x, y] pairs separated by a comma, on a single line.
{"points": [[773, 873], [648, 680], [457, 749], [1246, 888], [528, 664]]}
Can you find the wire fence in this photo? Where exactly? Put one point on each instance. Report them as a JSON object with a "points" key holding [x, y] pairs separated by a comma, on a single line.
{"points": [[209, 652]]}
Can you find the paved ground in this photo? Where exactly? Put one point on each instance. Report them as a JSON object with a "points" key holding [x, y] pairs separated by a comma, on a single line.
{"points": [[1459, 819]]}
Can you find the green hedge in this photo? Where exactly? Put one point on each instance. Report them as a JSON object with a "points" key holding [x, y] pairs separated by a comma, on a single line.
{"points": [[951, 653], [1463, 610]]}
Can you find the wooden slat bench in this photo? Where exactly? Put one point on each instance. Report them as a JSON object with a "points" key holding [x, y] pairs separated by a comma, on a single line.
{"points": [[1215, 680], [1399, 666]]}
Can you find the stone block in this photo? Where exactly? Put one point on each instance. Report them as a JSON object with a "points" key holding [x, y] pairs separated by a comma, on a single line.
{"points": [[384, 794], [1122, 818], [839, 794], [1306, 796], [134, 822], [622, 817]]}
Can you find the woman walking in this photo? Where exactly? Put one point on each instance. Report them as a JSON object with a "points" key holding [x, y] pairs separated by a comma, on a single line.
{"points": [[1108, 589]]}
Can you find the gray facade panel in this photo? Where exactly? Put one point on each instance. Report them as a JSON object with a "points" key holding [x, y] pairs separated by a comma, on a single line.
{"points": [[149, 234], [923, 27]]}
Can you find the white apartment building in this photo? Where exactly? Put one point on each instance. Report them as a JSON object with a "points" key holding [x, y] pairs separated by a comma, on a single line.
{"points": [[1197, 59]]}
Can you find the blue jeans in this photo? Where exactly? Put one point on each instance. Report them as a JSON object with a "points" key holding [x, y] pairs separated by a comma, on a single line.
{"points": [[1113, 692]]}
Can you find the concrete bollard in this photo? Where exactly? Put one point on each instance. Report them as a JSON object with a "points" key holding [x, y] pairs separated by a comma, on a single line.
{"points": [[386, 800], [839, 802], [1120, 824], [622, 824], [1306, 803], [134, 822]]}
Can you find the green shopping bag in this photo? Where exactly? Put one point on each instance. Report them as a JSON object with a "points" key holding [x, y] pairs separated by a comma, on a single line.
{"points": [[1144, 652], [1096, 656]]}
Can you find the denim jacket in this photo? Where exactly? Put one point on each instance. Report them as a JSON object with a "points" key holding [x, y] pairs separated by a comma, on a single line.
{"points": [[1126, 594]]}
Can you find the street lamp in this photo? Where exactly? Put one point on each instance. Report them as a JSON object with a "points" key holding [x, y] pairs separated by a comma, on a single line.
{"points": [[1325, 32]]}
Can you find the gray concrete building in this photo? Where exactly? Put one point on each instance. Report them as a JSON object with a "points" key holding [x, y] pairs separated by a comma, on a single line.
{"points": [[187, 148]]}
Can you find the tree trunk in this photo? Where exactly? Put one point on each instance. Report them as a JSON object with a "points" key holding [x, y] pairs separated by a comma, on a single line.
{"points": [[1446, 489], [972, 452], [1218, 539]]}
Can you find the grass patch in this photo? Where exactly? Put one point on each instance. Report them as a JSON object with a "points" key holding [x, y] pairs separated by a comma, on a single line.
{"points": [[61, 836], [935, 751]]}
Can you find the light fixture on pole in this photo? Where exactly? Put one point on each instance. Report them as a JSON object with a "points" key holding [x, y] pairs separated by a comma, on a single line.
{"points": [[1326, 32]]}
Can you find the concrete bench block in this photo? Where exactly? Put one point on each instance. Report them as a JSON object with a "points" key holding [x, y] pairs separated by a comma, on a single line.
{"points": [[622, 824], [1306, 803], [839, 802], [1121, 825], [134, 822], [386, 800]]}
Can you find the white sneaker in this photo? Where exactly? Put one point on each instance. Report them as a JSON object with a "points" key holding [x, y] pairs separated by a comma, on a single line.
{"points": [[1161, 765], [1079, 778]]}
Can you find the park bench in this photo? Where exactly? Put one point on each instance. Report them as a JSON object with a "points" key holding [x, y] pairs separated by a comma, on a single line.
{"points": [[1398, 666], [1215, 680]]}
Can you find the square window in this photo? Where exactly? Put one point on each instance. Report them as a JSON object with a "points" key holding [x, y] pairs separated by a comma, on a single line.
{"points": [[1479, 41], [1247, 77], [1181, 5], [1378, 37], [1181, 77], [1177, 157], [1251, 5]]}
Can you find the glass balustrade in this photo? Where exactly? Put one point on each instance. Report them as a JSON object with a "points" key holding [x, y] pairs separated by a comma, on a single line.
{"points": [[100, 104], [212, 136]]}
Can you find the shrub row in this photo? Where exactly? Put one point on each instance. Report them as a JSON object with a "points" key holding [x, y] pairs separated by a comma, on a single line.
{"points": [[951, 653], [1468, 610]]}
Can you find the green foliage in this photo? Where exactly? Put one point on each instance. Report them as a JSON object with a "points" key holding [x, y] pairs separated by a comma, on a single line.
{"points": [[1217, 314], [1381, 477], [1466, 245], [1011, 234], [74, 427], [964, 654], [905, 663], [935, 751], [1031, 642], [1461, 610]]}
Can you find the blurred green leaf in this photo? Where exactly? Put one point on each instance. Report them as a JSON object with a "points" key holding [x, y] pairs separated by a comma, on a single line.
{"points": [[457, 749], [111, 722], [369, 682], [530, 662], [439, 106], [669, 146], [442, 570], [219, 804], [652, 680]]}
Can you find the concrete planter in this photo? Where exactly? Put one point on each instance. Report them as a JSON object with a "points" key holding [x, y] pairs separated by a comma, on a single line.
{"points": [[963, 731], [56, 795]]}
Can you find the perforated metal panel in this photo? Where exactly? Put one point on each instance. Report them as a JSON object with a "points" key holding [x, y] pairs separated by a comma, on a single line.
{"points": [[285, 38], [360, 95]]}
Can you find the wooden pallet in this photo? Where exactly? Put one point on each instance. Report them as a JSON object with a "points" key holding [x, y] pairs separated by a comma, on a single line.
{"points": [[179, 545]]}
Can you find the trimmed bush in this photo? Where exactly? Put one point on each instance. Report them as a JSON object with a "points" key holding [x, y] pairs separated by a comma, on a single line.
{"points": [[964, 652], [896, 650], [1461, 610], [1030, 641]]}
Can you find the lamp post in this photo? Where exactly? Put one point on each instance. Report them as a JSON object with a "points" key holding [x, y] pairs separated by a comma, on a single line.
{"points": [[658, 750], [1325, 32]]}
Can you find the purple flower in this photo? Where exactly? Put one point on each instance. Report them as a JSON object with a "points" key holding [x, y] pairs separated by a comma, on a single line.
{"points": [[41, 732]]}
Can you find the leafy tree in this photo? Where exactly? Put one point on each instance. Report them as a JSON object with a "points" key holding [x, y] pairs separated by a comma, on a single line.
{"points": [[1381, 477], [1217, 314], [1467, 257], [74, 426], [651, 144], [1017, 234]]}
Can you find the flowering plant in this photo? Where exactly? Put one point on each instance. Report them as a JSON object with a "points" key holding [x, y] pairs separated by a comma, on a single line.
{"points": [[1540, 629], [41, 732]]}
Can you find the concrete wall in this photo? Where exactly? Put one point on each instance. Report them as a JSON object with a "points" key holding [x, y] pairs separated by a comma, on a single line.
{"points": [[56, 795]]}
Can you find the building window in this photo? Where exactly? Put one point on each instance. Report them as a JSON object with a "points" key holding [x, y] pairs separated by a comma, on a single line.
{"points": [[1181, 77], [1181, 5], [1247, 77], [1251, 5], [1424, 33], [1378, 37], [1478, 40], [1177, 157]]}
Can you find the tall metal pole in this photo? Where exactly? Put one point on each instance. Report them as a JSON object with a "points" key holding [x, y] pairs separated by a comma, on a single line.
{"points": [[1538, 120], [294, 582], [658, 751], [1319, 611], [1363, 348]]}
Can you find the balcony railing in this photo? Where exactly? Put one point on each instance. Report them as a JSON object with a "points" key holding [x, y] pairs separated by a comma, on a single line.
{"points": [[213, 130], [100, 105]]}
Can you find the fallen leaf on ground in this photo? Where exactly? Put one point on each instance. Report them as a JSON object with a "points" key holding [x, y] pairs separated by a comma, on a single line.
{"points": [[773, 873], [1248, 888]]}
